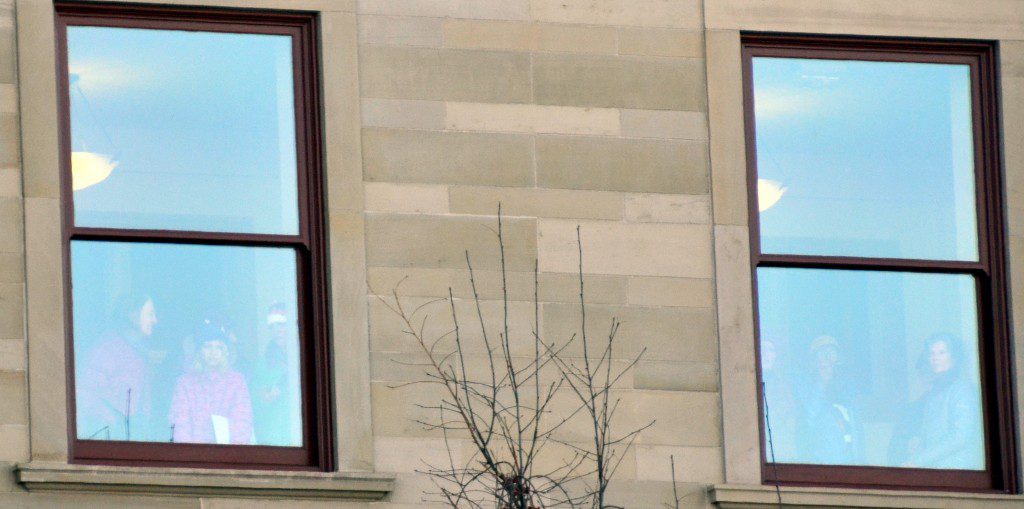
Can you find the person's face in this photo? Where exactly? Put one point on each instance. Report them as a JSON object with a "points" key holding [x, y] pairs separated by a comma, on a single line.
{"points": [[827, 358], [278, 331], [215, 354], [147, 318], [939, 358]]}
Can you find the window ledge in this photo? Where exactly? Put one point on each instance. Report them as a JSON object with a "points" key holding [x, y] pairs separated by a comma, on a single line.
{"points": [[741, 496], [44, 476]]}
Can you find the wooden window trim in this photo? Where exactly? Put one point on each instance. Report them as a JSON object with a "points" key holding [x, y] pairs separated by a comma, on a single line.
{"points": [[317, 453], [996, 361]]}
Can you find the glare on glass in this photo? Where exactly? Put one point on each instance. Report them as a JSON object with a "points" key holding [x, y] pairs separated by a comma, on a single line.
{"points": [[870, 159], [870, 368], [179, 130], [186, 343]]}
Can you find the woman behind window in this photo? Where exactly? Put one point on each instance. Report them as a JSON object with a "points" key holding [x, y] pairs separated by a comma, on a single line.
{"points": [[114, 379], [947, 432]]}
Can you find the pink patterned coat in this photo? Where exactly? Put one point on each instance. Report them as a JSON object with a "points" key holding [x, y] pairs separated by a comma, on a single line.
{"points": [[199, 396]]}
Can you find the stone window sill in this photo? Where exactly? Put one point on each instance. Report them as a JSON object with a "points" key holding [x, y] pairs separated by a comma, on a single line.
{"points": [[736, 496], [40, 476]]}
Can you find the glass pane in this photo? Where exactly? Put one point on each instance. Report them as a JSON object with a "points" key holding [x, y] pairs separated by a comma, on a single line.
{"points": [[869, 159], [182, 130], [186, 343], [871, 368]]}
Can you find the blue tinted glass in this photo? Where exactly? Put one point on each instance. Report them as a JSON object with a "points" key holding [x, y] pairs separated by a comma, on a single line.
{"points": [[186, 343], [869, 159], [871, 368], [182, 130]]}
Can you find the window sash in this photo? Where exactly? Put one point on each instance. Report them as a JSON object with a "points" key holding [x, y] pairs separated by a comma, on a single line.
{"points": [[989, 269], [309, 243]]}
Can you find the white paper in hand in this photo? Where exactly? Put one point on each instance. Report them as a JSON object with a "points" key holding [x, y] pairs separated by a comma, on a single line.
{"points": [[221, 429]]}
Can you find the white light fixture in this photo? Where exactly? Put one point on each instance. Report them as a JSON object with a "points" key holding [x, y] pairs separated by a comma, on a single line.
{"points": [[89, 169], [768, 193]]}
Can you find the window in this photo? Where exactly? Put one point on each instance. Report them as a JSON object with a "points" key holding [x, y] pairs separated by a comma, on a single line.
{"points": [[877, 251], [194, 238]]}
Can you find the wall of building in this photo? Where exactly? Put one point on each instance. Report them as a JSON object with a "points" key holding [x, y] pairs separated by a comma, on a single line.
{"points": [[567, 112]]}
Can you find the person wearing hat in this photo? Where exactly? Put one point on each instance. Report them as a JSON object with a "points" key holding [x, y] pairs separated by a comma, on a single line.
{"points": [[211, 404], [276, 383], [829, 430]]}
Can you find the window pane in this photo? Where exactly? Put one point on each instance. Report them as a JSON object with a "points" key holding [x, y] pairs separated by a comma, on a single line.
{"points": [[869, 159], [182, 130], [871, 368], [187, 343]]}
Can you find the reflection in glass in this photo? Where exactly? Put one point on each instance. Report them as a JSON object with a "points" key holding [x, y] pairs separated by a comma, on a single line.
{"points": [[182, 130], [876, 158], [871, 368], [186, 343]]}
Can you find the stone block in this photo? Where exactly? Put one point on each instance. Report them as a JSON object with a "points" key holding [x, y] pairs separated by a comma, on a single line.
{"points": [[681, 418], [676, 334], [680, 125], [726, 128], [13, 355], [531, 118], [402, 113], [636, 493], [11, 229], [406, 198], [661, 42], [14, 443], [389, 72], [10, 182], [397, 155], [341, 117], [400, 412], [536, 202], [475, 9], [736, 339], [400, 31], [248, 503], [13, 398], [609, 164], [676, 376], [493, 35], [662, 13], [442, 241], [619, 81], [981, 19], [402, 454], [10, 140], [626, 249], [46, 329], [670, 291], [434, 319], [12, 311], [12, 267], [692, 464], [1011, 64], [521, 36], [668, 208], [398, 368], [575, 38], [8, 53], [8, 98], [416, 282]]}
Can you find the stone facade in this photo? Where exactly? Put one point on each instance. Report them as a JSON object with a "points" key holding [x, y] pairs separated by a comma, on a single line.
{"points": [[622, 116]]}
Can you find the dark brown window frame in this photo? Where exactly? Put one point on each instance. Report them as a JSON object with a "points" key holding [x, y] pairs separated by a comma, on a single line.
{"points": [[317, 452], [994, 336]]}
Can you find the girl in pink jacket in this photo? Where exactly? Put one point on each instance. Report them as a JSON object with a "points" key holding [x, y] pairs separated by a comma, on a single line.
{"points": [[211, 404]]}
